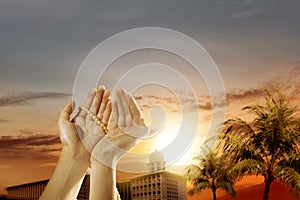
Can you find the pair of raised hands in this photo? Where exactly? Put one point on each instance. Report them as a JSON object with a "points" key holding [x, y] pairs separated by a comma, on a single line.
{"points": [[122, 116], [98, 136]]}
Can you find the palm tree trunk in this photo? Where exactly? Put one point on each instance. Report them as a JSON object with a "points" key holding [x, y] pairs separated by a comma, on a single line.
{"points": [[267, 189], [214, 193]]}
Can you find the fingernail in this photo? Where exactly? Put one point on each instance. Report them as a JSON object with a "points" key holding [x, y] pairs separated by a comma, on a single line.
{"points": [[101, 87]]}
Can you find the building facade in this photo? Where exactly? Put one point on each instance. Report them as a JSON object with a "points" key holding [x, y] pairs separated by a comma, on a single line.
{"points": [[158, 184], [32, 191], [124, 190], [29, 191], [84, 191]]}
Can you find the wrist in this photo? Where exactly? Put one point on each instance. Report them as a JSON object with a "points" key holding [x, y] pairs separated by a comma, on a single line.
{"points": [[106, 153], [78, 154], [103, 161], [98, 165]]}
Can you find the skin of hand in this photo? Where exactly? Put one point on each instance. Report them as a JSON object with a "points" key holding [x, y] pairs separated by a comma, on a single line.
{"points": [[75, 158], [125, 130], [90, 133]]}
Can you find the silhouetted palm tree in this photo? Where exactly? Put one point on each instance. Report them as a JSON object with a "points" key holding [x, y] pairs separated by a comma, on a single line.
{"points": [[270, 141], [210, 172]]}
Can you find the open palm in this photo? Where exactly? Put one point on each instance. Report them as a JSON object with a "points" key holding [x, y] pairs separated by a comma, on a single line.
{"points": [[125, 130], [98, 102]]}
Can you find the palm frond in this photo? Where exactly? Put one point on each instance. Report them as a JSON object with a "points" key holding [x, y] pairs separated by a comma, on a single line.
{"points": [[246, 167], [228, 187], [200, 186], [291, 178]]}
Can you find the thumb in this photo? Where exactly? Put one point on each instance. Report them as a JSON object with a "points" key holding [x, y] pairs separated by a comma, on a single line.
{"points": [[66, 112]]}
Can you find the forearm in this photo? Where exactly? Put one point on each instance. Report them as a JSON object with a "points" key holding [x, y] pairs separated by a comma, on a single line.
{"points": [[67, 177], [103, 182]]}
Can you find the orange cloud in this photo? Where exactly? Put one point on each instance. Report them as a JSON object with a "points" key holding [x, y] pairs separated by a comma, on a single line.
{"points": [[32, 147]]}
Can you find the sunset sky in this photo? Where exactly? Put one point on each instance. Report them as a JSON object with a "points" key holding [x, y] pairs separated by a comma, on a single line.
{"points": [[43, 43]]}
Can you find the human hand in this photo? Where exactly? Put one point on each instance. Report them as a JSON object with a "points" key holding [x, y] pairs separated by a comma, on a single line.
{"points": [[125, 130], [75, 158], [99, 105], [68, 133]]}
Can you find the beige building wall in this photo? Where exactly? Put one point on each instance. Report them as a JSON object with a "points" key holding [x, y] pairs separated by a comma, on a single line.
{"points": [[157, 186]]}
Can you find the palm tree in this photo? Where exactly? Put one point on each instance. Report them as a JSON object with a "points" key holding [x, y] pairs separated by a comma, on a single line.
{"points": [[270, 141], [210, 172]]}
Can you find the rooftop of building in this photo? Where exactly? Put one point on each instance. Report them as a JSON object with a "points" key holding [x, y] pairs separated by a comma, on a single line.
{"points": [[27, 184], [156, 156]]}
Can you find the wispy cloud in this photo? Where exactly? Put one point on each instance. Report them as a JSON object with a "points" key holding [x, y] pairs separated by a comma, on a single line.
{"points": [[247, 94], [287, 78], [26, 97], [245, 8], [8, 141], [289, 83], [246, 13], [3, 120], [203, 106], [204, 102], [29, 146], [4, 167]]}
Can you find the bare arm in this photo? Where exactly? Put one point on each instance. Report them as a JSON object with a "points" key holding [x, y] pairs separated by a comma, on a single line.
{"points": [[103, 182], [77, 140], [127, 120], [72, 165]]}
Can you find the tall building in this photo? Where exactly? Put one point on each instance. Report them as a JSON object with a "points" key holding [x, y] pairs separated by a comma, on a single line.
{"points": [[156, 162], [158, 184]]}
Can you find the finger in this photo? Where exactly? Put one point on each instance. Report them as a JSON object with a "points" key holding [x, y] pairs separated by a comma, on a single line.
{"points": [[88, 103], [121, 120], [125, 104], [88, 119], [136, 112], [98, 98], [66, 112], [115, 111], [111, 124], [105, 99], [107, 113]]}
